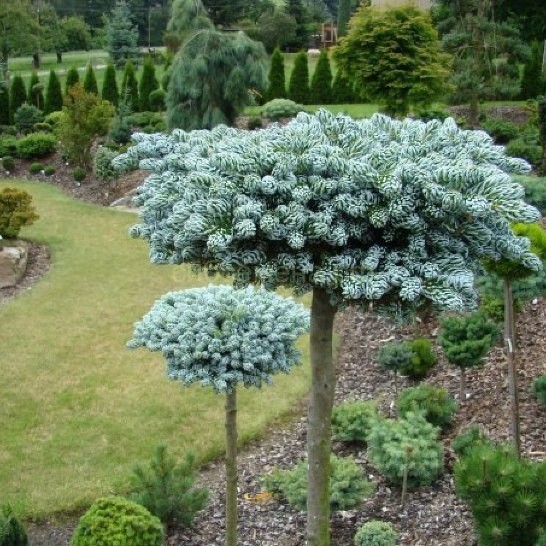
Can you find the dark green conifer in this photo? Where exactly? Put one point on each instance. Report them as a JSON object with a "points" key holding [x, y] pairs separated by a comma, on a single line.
{"points": [[148, 83], [342, 90], [18, 95], [298, 89], [109, 86], [321, 83], [129, 87], [277, 81], [72, 78], [90, 81], [343, 16], [54, 94], [35, 95], [4, 104], [532, 83]]}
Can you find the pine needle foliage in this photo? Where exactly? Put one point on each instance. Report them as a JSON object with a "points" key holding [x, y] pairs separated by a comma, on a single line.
{"points": [[187, 18], [533, 83], [90, 81], [435, 403], [148, 84], [17, 96], [12, 532], [321, 82], [72, 78], [110, 86], [129, 87], [166, 488], [394, 355], [4, 104], [277, 80], [54, 94], [376, 533], [121, 35], [16, 211], [298, 88], [352, 421], [422, 359], [506, 495], [539, 389]]}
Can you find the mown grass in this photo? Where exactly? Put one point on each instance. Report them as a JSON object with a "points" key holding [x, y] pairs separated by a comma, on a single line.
{"points": [[77, 408]]}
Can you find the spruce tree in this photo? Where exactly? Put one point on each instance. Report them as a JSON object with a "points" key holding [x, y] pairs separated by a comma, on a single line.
{"points": [[17, 96], [109, 86], [4, 104], [298, 89], [321, 83], [72, 78], [90, 81], [129, 87], [54, 94], [148, 83], [35, 95], [121, 35], [532, 82], [342, 89], [277, 81]]}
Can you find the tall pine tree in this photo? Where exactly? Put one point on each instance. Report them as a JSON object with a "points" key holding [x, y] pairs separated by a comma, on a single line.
{"points": [[4, 104], [298, 89], [121, 35], [148, 83], [90, 81], [72, 78], [54, 94], [17, 95], [532, 82], [277, 80], [321, 83], [35, 95], [129, 87], [109, 86]]}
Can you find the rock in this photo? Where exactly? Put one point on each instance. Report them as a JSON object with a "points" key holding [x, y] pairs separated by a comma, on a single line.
{"points": [[13, 261]]}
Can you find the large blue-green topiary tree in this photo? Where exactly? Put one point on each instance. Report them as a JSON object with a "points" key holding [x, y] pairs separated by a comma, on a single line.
{"points": [[393, 215], [223, 338]]}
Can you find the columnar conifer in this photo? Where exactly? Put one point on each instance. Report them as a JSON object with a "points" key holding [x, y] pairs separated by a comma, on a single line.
{"points": [[342, 89], [109, 86], [148, 83], [72, 78], [90, 81], [298, 89], [277, 80], [35, 95], [4, 104], [532, 82], [54, 94], [129, 87], [18, 95], [321, 83]]}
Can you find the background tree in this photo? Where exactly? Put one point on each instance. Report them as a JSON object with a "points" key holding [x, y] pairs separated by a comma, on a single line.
{"points": [[121, 35], [275, 29], [17, 95], [148, 84], [339, 207], [343, 16], [542, 130], [533, 83], [321, 82], [238, 351], [35, 94], [298, 11], [394, 58], [4, 104], [109, 86], [53, 35], [90, 80], [486, 53], [129, 87], [225, 12], [298, 87], [188, 17], [54, 94], [77, 32], [277, 82], [72, 78]]}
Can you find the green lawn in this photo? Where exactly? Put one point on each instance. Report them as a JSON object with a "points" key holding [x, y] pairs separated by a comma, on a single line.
{"points": [[77, 408]]}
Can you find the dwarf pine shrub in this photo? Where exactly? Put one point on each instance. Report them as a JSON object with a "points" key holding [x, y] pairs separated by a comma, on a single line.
{"points": [[435, 403], [352, 421], [16, 211], [36, 145], [376, 533], [423, 358], [539, 389], [12, 532]]}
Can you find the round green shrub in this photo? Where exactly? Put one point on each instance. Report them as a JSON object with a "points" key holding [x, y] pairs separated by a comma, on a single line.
{"points": [[8, 130], [502, 131], [35, 168], [54, 119], [8, 145], [79, 174], [471, 438], [526, 149], [539, 389], [41, 127], [422, 360], [376, 533], [16, 211], [118, 521], [157, 100], [8, 163], [102, 165], [348, 486], [12, 532], [436, 404], [352, 421], [395, 355], [36, 145], [49, 170], [26, 116], [120, 132], [281, 108]]}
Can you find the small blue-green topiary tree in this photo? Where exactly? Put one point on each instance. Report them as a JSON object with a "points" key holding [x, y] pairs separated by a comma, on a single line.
{"points": [[222, 338], [390, 214]]}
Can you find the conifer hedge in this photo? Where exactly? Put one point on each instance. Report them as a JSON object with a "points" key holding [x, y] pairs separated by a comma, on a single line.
{"points": [[18, 95], [109, 86], [148, 84], [129, 87], [321, 83], [298, 89], [72, 78], [54, 94], [90, 81], [277, 80]]}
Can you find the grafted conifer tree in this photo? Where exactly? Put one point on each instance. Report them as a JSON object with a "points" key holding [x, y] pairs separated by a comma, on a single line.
{"points": [[72, 78], [390, 214]]}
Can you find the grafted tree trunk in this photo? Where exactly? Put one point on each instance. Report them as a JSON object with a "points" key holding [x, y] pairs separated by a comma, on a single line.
{"points": [[319, 441], [231, 468]]}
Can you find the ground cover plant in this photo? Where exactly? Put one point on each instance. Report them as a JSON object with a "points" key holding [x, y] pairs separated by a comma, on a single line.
{"points": [[59, 410]]}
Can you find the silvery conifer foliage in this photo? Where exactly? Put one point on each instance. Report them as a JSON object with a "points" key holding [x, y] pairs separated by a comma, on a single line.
{"points": [[223, 337], [394, 213]]}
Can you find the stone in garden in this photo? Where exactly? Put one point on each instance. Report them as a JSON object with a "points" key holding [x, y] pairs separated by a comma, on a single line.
{"points": [[13, 262]]}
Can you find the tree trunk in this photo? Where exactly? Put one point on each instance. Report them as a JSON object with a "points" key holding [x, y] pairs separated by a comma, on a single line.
{"points": [[231, 468], [510, 342], [4, 64], [59, 57], [319, 439], [36, 60], [462, 385]]}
